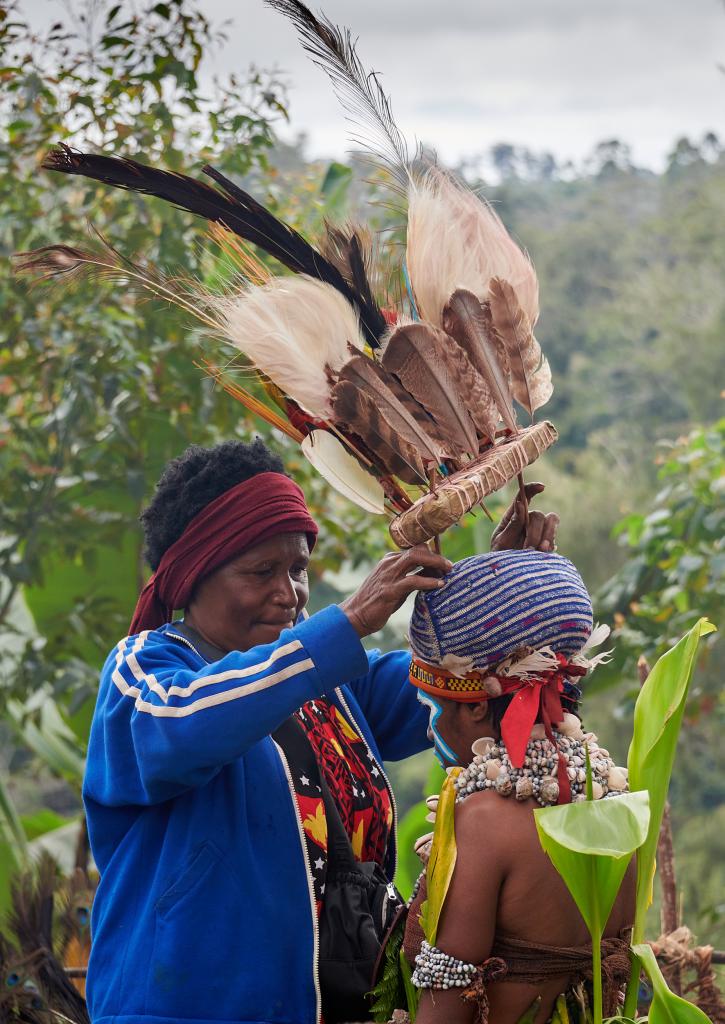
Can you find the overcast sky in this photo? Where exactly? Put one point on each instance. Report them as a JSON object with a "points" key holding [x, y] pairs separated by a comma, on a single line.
{"points": [[560, 75]]}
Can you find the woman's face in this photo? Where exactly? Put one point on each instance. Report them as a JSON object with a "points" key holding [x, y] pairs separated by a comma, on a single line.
{"points": [[250, 600]]}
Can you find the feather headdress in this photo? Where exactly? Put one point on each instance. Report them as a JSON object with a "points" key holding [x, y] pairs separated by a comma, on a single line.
{"points": [[409, 409]]}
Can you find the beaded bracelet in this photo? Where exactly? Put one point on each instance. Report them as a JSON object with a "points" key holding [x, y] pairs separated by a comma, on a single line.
{"points": [[438, 970]]}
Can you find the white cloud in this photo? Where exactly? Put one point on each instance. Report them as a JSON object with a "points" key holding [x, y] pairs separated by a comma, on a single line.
{"points": [[550, 74]]}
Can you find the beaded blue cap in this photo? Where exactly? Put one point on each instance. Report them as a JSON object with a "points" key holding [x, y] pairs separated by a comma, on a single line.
{"points": [[494, 603]]}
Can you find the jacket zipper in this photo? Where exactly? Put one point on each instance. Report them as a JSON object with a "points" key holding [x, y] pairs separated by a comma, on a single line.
{"points": [[175, 636], [310, 886], [303, 844], [375, 761]]}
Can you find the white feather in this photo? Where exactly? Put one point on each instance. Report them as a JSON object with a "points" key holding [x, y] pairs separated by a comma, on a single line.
{"points": [[292, 329], [339, 468], [530, 665], [598, 635], [455, 240]]}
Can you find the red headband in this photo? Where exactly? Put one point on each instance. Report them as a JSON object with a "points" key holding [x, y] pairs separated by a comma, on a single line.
{"points": [[540, 694], [245, 515]]}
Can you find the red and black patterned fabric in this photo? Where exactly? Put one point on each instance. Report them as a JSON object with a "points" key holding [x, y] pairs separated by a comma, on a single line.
{"points": [[356, 784]]}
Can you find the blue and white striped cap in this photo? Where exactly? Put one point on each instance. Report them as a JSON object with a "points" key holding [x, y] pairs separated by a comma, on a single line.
{"points": [[494, 603]]}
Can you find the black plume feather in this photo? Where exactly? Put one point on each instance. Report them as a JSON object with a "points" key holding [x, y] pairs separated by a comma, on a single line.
{"points": [[350, 249], [236, 210], [359, 91]]}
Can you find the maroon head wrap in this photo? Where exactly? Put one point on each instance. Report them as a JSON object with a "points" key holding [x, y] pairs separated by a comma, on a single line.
{"points": [[245, 515]]}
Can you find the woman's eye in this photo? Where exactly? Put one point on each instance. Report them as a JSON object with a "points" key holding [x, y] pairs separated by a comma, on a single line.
{"points": [[299, 572]]}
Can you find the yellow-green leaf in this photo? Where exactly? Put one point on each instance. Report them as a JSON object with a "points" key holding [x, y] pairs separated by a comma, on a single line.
{"points": [[657, 719], [590, 844], [666, 1007], [442, 859]]}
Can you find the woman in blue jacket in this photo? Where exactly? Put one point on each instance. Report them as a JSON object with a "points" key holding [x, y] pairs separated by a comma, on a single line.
{"points": [[213, 738]]}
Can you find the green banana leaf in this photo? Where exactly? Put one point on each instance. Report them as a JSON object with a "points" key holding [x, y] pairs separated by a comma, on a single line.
{"points": [[411, 827], [590, 844], [666, 1007], [442, 859], [657, 720]]}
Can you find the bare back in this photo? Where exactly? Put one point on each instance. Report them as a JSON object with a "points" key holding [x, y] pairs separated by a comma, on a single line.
{"points": [[504, 884]]}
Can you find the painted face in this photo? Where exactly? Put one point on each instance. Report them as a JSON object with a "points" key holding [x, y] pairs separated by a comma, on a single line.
{"points": [[445, 754]]}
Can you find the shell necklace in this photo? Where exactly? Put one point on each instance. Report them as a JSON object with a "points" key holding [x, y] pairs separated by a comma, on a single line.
{"points": [[491, 767]]}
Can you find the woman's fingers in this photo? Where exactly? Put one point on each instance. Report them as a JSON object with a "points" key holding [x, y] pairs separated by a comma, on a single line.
{"points": [[510, 534], [548, 535], [513, 530], [541, 532], [512, 526], [534, 530], [395, 577], [531, 490]]}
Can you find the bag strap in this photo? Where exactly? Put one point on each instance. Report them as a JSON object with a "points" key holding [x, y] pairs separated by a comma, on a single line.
{"points": [[339, 847]]}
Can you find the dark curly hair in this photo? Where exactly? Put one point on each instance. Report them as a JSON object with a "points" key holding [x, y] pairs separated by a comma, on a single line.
{"points": [[190, 482]]}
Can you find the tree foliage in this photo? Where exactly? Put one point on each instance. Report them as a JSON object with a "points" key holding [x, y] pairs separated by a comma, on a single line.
{"points": [[675, 571], [98, 390]]}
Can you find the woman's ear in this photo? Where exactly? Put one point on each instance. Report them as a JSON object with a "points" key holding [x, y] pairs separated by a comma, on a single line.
{"points": [[478, 711]]}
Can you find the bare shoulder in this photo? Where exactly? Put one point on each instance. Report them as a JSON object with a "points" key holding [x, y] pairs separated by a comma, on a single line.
{"points": [[486, 818]]}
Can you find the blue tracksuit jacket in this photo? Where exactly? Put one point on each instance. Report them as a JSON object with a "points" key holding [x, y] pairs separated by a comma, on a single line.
{"points": [[204, 911]]}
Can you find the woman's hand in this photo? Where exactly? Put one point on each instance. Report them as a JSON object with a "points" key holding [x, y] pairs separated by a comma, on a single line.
{"points": [[395, 577], [514, 532]]}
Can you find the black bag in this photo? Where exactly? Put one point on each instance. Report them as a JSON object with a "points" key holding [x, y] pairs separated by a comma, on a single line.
{"points": [[359, 907]]}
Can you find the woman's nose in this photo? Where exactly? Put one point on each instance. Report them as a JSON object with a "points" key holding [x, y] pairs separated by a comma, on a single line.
{"points": [[284, 592]]}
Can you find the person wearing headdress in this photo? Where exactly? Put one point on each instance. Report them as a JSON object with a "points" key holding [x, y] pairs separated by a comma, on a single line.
{"points": [[499, 653], [229, 746]]}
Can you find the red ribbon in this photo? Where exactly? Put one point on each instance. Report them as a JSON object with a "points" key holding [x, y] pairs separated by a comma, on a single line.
{"points": [[533, 699], [539, 697], [247, 514]]}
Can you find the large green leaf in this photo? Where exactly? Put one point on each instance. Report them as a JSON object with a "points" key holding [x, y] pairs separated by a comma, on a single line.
{"points": [[666, 1007], [412, 826], [657, 720], [590, 844], [442, 860], [46, 733]]}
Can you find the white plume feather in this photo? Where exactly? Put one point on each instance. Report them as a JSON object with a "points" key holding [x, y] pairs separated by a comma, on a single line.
{"points": [[530, 666], [292, 329], [455, 240]]}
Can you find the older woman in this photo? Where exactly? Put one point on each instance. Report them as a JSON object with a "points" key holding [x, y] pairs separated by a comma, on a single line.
{"points": [[226, 743]]}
